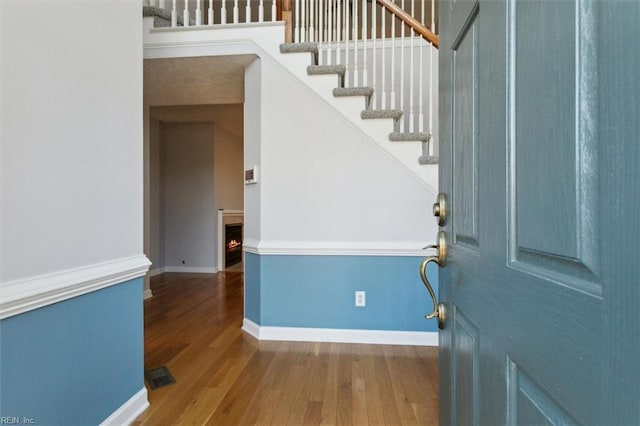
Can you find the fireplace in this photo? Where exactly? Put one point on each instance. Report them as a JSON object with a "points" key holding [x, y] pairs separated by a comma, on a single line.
{"points": [[232, 244]]}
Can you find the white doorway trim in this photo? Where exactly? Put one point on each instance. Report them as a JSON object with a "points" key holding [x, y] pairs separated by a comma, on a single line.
{"points": [[222, 215]]}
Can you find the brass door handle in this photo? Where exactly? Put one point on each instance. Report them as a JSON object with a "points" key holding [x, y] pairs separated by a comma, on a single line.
{"points": [[439, 309]]}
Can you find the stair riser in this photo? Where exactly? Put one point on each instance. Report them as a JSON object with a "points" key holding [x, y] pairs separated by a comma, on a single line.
{"points": [[322, 83], [349, 104]]}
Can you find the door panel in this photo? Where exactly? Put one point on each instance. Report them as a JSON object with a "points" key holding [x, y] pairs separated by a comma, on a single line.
{"points": [[465, 131], [551, 126], [466, 345], [529, 404], [540, 154], [544, 120]]}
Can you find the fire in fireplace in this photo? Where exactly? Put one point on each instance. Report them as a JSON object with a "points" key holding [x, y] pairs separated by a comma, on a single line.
{"points": [[233, 244]]}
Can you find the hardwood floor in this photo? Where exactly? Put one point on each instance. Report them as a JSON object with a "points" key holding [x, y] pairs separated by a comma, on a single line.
{"points": [[226, 377]]}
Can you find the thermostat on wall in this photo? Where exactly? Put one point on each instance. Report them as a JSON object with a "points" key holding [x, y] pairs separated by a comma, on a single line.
{"points": [[251, 175]]}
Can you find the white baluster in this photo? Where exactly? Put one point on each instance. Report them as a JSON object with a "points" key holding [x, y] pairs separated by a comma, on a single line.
{"points": [[433, 27], [236, 13], [162, 4], [174, 15], [322, 26], [185, 14], [412, 95], [198, 14], [365, 77], [345, 16], [273, 11], [247, 12], [338, 31], [383, 18], [303, 24], [297, 35], [320, 31], [331, 32], [393, 61], [420, 90], [210, 13], [223, 12], [354, 30], [402, 30], [374, 64], [261, 11], [312, 35]]}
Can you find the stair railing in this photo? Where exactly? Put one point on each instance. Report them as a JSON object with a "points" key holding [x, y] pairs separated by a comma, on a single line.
{"points": [[217, 12], [384, 45]]}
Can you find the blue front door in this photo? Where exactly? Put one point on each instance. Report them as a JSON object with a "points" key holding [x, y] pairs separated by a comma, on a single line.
{"points": [[540, 165]]}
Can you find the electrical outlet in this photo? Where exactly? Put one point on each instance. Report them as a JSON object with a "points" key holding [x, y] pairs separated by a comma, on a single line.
{"points": [[361, 298]]}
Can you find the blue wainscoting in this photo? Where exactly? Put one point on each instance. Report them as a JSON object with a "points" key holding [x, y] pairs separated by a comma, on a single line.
{"points": [[318, 292], [73, 362], [252, 287]]}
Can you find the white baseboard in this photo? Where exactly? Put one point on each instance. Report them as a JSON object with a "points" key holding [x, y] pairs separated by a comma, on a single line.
{"points": [[147, 294], [156, 271], [129, 411], [190, 269], [335, 335]]}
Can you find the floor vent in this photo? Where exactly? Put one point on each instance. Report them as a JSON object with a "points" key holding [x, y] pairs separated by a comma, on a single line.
{"points": [[159, 377]]}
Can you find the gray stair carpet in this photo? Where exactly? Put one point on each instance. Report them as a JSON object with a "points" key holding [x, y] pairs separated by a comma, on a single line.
{"points": [[311, 48], [299, 47], [408, 136], [352, 91], [326, 69], [427, 159], [382, 113], [161, 17]]}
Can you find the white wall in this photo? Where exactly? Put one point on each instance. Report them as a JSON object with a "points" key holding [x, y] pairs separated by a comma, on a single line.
{"points": [[71, 175], [156, 198], [188, 182], [252, 146], [229, 176], [324, 182]]}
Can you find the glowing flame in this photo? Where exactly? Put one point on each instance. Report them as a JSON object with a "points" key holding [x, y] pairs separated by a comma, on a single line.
{"points": [[233, 244]]}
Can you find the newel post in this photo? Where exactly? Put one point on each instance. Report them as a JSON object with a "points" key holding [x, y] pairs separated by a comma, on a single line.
{"points": [[284, 14]]}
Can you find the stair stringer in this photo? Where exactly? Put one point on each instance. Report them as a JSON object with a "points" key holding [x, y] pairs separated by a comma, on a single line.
{"points": [[264, 41]]}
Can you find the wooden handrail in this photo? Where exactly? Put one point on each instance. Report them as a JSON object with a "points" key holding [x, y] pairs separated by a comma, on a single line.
{"points": [[411, 21]]}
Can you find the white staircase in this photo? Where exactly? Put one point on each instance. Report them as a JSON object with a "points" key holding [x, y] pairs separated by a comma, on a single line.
{"points": [[367, 93], [374, 70]]}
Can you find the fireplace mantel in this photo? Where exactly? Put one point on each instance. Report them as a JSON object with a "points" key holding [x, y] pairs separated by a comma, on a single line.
{"points": [[225, 217]]}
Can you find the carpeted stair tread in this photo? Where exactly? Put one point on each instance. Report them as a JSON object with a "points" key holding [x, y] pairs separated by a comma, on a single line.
{"points": [[326, 69], [299, 48], [427, 159], [383, 113], [352, 91], [408, 136]]}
